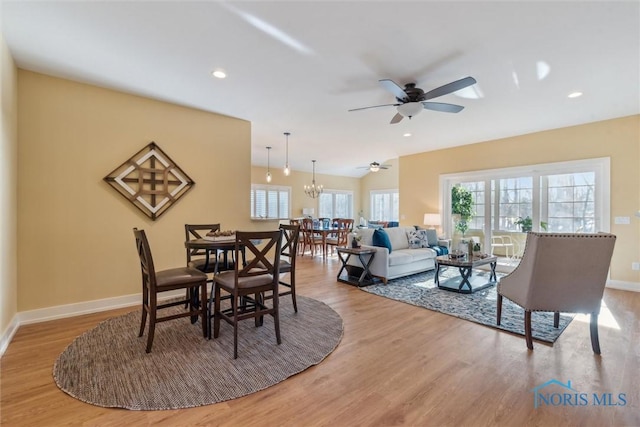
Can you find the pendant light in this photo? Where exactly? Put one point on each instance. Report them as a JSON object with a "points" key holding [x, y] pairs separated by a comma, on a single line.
{"points": [[287, 171], [313, 190], [268, 164]]}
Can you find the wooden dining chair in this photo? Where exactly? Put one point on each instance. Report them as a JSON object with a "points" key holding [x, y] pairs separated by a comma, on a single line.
{"points": [[310, 239], [340, 238], [155, 282], [196, 258], [247, 284], [288, 254]]}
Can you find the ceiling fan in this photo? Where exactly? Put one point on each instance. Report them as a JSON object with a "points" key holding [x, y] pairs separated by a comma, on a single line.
{"points": [[412, 100], [375, 167]]}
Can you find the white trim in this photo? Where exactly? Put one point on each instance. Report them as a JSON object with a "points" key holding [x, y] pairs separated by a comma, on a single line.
{"points": [[601, 165], [77, 309], [623, 286], [8, 334], [71, 310]]}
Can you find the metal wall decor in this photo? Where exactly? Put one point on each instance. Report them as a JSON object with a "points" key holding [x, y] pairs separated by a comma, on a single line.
{"points": [[150, 180]]}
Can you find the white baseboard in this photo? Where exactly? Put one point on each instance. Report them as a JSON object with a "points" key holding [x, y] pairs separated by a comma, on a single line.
{"points": [[623, 286], [71, 310], [8, 334]]}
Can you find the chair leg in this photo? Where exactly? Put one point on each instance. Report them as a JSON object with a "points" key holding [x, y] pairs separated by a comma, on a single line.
{"points": [[595, 342], [499, 310], [292, 283], [556, 319], [153, 308], [204, 312], [276, 317], [234, 304], [527, 329], [216, 312], [143, 322]]}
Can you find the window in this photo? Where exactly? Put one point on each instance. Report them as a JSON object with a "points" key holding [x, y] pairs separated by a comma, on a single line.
{"points": [[566, 197], [385, 205], [335, 204], [270, 202]]}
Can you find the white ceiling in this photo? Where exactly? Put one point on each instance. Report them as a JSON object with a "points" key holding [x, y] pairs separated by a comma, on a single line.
{"points": [[328, 56]]}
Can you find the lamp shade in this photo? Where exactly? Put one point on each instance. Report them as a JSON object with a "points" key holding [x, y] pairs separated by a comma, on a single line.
{"points": [[432, 219]]}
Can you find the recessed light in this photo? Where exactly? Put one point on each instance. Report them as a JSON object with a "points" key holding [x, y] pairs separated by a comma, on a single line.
{"points": [[406, 134], [575, 94], [219, 74]]}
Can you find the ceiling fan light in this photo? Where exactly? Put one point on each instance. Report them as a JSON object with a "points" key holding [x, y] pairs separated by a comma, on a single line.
{"points": [[374, 167], [410, 109]]}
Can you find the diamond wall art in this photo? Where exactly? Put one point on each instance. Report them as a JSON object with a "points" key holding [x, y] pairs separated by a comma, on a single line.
{"points": [[150, 180]]}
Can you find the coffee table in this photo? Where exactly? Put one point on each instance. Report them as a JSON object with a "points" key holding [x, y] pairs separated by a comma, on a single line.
{"points": [[466, 283]]}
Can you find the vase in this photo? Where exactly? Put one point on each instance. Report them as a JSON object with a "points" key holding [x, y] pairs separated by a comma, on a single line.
{"points": [[354, 243]]}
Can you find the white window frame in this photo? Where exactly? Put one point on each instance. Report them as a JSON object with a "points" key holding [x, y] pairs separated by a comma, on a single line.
{"points": [[601, 166], [282, 190], [333, 193], [391, 192]]}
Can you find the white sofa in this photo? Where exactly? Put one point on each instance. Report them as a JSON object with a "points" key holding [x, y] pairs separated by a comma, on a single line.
{"points": [[402, 261]]}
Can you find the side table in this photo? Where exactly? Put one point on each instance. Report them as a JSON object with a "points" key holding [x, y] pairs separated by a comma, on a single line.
{"points": [[365, 256]]}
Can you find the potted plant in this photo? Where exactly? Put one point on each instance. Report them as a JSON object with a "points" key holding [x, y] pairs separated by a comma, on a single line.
{"points": [[476, 249], [462, 205], [526, 224]]}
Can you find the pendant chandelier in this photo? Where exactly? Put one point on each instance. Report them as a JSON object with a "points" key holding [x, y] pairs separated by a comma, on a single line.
{"points": [[313, 190], [268, 164], [287, 171]]}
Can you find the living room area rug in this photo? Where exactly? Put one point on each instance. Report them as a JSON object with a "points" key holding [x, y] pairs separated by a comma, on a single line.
{"points": [[107, 365], [479, 307]]}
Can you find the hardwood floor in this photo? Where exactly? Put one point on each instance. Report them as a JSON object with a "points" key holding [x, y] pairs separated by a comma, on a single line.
{"points": [[396, 365]]}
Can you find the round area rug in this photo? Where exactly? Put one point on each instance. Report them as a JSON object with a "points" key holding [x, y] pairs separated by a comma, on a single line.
{"points": [[107, 366]]}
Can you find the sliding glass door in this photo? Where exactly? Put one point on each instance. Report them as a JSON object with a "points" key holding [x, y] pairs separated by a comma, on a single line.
{"points": [[565, 197]]}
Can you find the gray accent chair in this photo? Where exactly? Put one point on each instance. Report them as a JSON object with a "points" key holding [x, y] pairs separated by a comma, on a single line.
{"points": [[560, 273]]}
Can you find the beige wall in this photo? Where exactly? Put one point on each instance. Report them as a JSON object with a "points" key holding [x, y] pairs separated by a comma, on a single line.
{"points": [[618, 139], [297, 180], [75, 236], [8, 194]]}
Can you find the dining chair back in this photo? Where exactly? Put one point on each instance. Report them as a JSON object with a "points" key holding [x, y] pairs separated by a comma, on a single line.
{"points": [[560, 273], [247, 284], [340, 239], [196, 258], [155, 282], [310, 239], [288, 254]]}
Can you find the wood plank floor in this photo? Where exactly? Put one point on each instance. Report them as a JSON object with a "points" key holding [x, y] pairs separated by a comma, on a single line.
{"points": [[396, 365]]}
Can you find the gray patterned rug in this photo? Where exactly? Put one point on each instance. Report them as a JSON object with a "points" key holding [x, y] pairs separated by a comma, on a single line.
{"points": [[480, 307], [107, 366]]}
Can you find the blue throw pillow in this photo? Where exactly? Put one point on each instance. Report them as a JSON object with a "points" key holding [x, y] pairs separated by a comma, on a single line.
{"points": [[381, 239], [432, 237]]}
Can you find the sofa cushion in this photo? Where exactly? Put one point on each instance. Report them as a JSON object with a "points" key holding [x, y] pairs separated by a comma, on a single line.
{"points": [[381, 239], [417, 239], [398, 237], [432, 236], [408, 256]]}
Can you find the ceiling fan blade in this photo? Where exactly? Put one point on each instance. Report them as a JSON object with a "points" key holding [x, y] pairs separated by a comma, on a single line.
{"points": [[449, 88], [374, 106], [393, 87], [396, 118], [445, 108]]}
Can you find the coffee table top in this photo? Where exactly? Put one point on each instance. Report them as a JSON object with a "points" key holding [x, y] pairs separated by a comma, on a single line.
{"points": [[465, 262]]}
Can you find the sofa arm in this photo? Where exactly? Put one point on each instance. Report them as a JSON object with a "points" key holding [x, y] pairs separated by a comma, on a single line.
{"points": [[445, 242]]}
